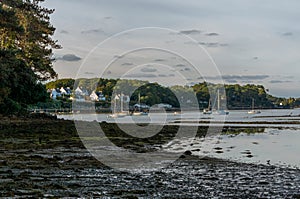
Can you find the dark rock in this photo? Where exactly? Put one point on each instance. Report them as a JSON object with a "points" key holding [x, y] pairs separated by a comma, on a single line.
{"points": [[187, 153]]}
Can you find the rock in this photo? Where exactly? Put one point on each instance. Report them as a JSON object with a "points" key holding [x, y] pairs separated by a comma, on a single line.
{"points": [[187, 153]]}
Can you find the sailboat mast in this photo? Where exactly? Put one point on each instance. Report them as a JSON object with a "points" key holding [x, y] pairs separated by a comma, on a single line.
{"points": [[218, 99], [121, 102], [115, 105], [139, 101]]}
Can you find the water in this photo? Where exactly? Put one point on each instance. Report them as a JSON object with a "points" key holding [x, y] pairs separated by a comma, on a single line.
{"points": [[270, 146], [267, 116], [276, 141]]}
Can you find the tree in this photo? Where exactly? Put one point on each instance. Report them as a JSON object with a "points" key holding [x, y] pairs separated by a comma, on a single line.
{"points": [[26, 50]]}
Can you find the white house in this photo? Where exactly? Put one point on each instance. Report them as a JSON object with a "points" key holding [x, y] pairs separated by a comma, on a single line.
{"points": [[78, 91], [63, 91], [94, 96], [53, 94]]}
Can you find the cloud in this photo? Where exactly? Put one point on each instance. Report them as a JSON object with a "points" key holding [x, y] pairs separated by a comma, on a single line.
{"points": [[127, 64], [212, 34], [287, 34], [185, 69], [245, 77], [278, 81], [107, 18], [180, 65], [213, 44], [92, 31], [224, 45], [64, 32], [162, 75], [69, 57], [89, 73], [235, 78], [148, 70], [232, 81], [159, 60], [190, 32], [139, 75], [255, 58]]}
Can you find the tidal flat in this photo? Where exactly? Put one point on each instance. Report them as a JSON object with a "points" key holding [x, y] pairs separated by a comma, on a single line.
{"points": [[46, 158]]}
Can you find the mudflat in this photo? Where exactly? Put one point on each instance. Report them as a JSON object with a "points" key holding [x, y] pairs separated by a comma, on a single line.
{"points": [[44, 157]]}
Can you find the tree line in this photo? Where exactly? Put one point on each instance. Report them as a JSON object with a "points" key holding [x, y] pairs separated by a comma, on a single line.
{"points": [[25, 53], [236, 96]]}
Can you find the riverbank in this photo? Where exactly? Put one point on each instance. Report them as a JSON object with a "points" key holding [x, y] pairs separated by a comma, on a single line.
{"points": [[45, 158]]}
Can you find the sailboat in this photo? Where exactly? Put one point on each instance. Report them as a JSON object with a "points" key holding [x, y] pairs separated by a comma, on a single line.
{"points": [[253, 111], [116, 114], [207, 111], [139, 113], [219, 110]]}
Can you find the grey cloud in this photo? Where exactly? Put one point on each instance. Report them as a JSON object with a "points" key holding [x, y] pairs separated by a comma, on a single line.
{"points": [[139, 75], [243, 78], [148, 70], [159, 60], [278, 81], [64, 32], [255, 58], [127, 64], [89, 73], [287, 34], [207, 44], [92, 31], [180, 65], [231, 81], [213, 44], [69, 57], [224, 45], [189, 32], [185, 69], [107, 18], [162, 75], [212, 34]]}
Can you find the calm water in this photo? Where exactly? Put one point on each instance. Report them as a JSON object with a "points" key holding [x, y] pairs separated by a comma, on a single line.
{"points": [[275, 144]]}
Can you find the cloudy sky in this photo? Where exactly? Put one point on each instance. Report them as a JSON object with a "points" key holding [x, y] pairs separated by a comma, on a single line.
{"points": [[240, 41]]}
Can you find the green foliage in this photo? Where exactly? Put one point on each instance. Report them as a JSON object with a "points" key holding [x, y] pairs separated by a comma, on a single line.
{"points": [[153, 93], [236, 96], [25, 53], [241, 96], [61, 83]]}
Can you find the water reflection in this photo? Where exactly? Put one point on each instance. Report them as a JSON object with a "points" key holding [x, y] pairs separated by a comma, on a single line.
{"points": [[270, 146]]}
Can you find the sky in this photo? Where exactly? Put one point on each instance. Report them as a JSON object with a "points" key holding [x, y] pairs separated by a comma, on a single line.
{"points": [[184, 42]]}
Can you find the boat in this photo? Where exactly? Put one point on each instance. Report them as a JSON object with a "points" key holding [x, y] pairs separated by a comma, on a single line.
{"points": [[116, 114], [139, 112], [177, 113], [207, 111], [220, 111], [253, 111]]}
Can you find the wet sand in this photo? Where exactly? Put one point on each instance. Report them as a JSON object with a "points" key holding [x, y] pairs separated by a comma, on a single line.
{"points": [[45, 158]]}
